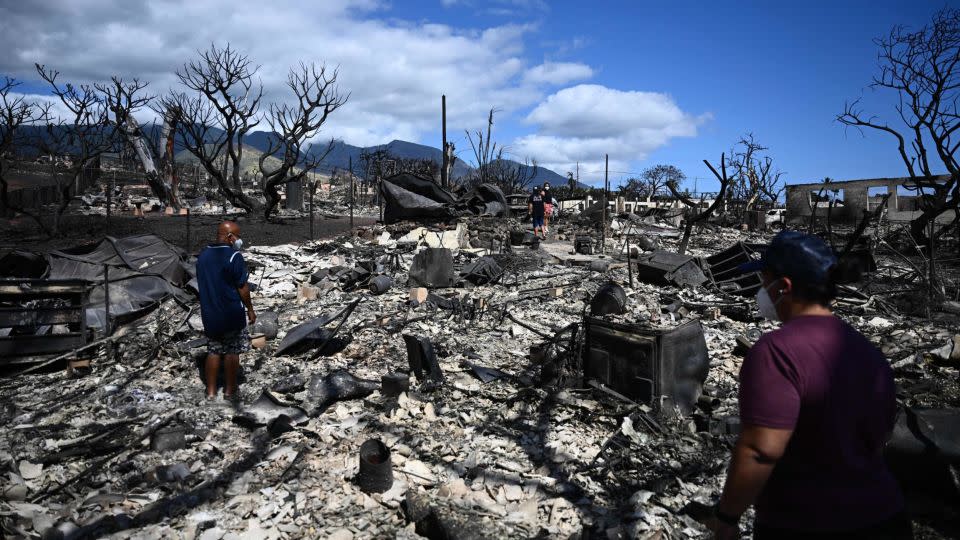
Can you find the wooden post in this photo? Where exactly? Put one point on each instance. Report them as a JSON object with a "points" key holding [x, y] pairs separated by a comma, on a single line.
{"points": [[380, 197], [352, 194], [932, 271], [606, 177], [312, 185], [110, 195], [629, 263], [188, 230], [106, 300], [443, 122]]}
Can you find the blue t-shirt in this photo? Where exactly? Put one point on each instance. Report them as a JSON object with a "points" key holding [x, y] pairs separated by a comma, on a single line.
{"points": [[220, 272]]}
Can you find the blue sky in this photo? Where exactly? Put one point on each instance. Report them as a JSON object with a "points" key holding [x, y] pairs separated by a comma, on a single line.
{"points": [[781, 70], [648, 82]]}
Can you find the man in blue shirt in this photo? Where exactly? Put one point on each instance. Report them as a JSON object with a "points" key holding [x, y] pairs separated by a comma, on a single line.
{"points": [[225, 307], [537, 209]]}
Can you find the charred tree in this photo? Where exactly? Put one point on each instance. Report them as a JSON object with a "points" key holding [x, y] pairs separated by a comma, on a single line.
{"points": [[123, 100], [16, 111], [221, 106], [485, 151], [510, 176], [695, 212], [656, 178], [754, 178], [921, 67], [84, 135], [292, 126]]}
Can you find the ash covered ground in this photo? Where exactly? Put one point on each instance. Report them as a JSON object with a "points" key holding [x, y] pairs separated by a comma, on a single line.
{"points": [[498, 449]]}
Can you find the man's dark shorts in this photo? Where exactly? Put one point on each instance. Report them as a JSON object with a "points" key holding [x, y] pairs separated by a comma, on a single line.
{"points": [[230, 343], [537, 222]]}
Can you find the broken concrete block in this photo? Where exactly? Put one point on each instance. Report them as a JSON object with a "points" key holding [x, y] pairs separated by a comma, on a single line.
{"points": [[555, 292], [419, 294], [455, 239]]}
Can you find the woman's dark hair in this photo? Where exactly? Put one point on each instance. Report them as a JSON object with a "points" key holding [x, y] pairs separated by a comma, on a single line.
{"points": [[819, 293]]}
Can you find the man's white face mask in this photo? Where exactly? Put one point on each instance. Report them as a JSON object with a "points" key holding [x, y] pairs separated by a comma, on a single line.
{"points": [[767, 307], [238, 244]]}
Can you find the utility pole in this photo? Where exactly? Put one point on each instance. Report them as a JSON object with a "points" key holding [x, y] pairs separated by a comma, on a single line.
{"points": [[606, 180], [351, 195], [113, 179], [312, 186], [444, 160]]}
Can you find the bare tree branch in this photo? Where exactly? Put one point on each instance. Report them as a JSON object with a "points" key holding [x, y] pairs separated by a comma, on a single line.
{"points": [[16, 111], [317, 97], [921, 68], [222, 107], [84, 135]]}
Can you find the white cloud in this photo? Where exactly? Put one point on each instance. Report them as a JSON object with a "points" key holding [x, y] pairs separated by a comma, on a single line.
{"points": [[56, 111], [394, 70], [558, 73], [584, 122]]}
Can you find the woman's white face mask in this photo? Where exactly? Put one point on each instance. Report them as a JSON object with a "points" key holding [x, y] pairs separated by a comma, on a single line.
{"points": [[767, 307]]}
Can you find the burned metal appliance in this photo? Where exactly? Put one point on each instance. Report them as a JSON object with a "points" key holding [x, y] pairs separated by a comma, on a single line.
{"points": [[583, 244], [668, 268], [661, 367], [723, 268]]}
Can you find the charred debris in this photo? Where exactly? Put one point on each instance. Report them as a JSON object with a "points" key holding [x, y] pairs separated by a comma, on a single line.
{"points": [[445, 375]]}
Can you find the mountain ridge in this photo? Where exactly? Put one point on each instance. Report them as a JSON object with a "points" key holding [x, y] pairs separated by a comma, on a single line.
{"points": [[342, 153]]}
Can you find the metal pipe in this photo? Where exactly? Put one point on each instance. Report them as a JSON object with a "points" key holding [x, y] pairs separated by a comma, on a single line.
{"points": [[107, 330], [351, 195]]}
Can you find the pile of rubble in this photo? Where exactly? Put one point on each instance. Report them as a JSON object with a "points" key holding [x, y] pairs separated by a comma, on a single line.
{"points": [[417, 382]]}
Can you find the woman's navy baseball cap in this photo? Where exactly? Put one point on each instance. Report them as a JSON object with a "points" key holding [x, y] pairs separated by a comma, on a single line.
{"points": [[796, 255]]}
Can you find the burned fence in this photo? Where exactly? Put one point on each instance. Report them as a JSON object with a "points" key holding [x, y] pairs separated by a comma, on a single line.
{"points": [[41, 317]]}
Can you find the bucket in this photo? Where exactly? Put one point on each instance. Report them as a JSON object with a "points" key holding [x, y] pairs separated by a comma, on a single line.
{"points": [[376, 471], [381, 284]]}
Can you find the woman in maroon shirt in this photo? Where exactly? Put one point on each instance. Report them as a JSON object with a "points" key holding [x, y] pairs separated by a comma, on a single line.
{"points": [[817, 405]]}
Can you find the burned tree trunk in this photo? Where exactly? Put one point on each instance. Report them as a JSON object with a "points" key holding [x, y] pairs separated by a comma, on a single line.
{"points": [[694, 212], [213, 120], [84, 135], [317, 97]]}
